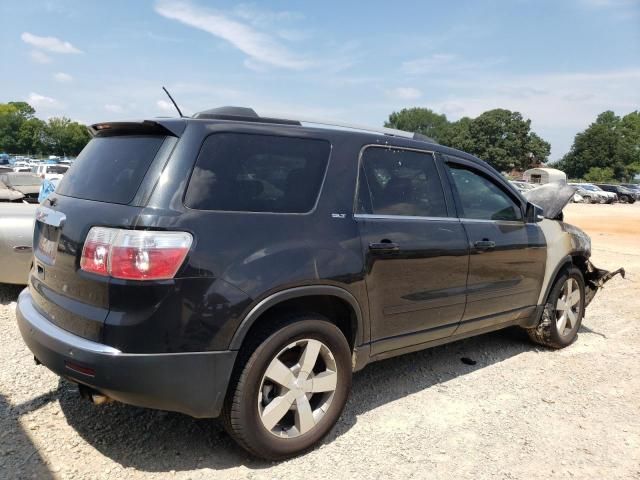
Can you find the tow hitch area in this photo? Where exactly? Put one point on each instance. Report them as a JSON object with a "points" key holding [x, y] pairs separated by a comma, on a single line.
{"points": [[93, 396], [595, 278]]}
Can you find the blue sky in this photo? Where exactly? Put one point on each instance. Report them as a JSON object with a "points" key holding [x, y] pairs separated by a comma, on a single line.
{"points": [[559, 63]]}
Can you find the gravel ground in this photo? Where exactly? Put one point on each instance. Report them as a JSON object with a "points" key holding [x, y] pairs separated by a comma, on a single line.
{"points": [[519, 412]]}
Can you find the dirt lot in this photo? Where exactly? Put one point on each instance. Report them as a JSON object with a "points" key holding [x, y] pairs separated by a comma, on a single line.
{"points": [[520, 412]]}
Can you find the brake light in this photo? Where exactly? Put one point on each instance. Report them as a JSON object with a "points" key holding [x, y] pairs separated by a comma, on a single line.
{"points": [[134, 254]]}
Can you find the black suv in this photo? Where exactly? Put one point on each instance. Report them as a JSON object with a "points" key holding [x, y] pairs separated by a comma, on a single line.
{"points": [[242, 266], [625, 194]]}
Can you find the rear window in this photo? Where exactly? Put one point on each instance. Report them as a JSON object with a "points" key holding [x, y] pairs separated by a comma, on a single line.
{"points": [[258, 173], [110, 169]]}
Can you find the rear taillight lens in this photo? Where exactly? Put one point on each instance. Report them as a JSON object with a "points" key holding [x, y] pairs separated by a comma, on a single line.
{"points": [[134, 254]]}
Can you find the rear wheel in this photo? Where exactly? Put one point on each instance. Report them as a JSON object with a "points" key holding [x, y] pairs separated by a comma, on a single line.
{"points": [[292, 389], [563, 311]]}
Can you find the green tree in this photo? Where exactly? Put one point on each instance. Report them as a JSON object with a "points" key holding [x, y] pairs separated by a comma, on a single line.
{"points": [[10, 122], [501, 137], [610, 142], [599, 175], [31, 136], [64, 137], [458, 135], [23, 109], [420, 120]]}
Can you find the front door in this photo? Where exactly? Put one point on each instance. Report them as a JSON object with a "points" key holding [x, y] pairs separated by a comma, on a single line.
{"points": [[416, 250], [507, 255]]}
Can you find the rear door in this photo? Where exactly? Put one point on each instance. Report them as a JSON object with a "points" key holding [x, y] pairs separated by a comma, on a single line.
{"points": [[507, 255], [101, 189], [415, 249]]}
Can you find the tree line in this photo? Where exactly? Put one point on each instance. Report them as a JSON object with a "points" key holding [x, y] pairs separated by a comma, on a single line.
{"points": [[22, 132], [608, 150], [500, 137]]}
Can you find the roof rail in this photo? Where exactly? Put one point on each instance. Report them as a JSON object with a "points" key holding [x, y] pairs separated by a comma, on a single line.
{"points": [[363, 128], [249, 115]]}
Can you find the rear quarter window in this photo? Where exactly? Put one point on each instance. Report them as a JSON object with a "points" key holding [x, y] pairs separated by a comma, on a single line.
{"points": [[110, 169], [258, 173]]}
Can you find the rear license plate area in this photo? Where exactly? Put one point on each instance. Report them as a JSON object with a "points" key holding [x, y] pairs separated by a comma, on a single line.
{"points": [[47, 237]]}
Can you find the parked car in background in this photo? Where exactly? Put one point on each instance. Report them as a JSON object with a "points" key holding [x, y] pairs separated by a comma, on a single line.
{"points": [[219, 265], [16, 240], [9, 195], [592, 194], [22, 169], [624, 194], [634, 187], [26, 183], [50, 171]]}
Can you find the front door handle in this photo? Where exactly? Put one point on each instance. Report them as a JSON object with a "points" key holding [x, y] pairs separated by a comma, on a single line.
{"points": [[384, 247], [484, 244]]}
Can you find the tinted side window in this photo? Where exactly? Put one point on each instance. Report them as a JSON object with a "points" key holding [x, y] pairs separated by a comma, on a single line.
{"points": [[481, 198], [258, 173], [400, 182], [110, 169]]}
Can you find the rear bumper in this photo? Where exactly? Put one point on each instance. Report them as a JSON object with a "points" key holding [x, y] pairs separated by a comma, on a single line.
{"points": [[194, 383]]}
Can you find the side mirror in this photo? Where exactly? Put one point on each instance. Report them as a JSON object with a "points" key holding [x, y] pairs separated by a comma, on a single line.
{"points": [[534, 213]]}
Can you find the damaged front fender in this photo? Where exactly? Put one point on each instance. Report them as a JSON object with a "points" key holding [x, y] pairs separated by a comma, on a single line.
{"points": [[595, 278]]}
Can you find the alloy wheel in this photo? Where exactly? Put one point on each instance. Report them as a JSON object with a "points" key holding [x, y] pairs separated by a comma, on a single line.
{"points": [[568, 306], [297, 388]]}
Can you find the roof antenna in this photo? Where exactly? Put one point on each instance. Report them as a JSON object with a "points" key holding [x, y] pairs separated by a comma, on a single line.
{"points": [[173, 101]]}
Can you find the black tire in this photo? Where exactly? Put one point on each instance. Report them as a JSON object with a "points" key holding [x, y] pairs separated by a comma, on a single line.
{"points": [[241, 416], [546, 332]]}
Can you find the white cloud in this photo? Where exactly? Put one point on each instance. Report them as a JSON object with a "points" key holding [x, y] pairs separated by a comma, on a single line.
{"points": [[428, 64], [258, 46], [40, 101], [50, 44], [110, 107], [165, 106], [62, 77], [609, 3], [40, 57], [405, 93], [558, 104]]}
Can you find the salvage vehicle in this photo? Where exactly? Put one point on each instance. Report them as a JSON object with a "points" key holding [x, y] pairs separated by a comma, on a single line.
{"points": [[26, 183], [9, 195], [592, 194], [242, 266], [624, 194], [16, 238]]}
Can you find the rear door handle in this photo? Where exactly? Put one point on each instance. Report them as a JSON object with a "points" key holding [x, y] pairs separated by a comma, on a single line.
{"points": [[484, 244], [384, 247]]}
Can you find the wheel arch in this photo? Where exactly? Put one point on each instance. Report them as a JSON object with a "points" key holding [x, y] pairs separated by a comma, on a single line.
{"points": [[565, 262], [328, 300]]}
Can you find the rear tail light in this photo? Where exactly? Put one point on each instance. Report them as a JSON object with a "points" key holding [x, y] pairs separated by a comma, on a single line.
{"points": [[134, 254]]}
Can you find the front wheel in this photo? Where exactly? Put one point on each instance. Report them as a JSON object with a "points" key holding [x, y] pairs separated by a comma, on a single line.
{"points": [[292, 389], [563, 311]]}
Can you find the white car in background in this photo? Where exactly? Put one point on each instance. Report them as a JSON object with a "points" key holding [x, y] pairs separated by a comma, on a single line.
{"points": [[50, 171]]}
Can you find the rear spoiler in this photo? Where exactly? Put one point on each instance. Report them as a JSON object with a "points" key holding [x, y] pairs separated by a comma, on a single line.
{"points": [[172, 127]]}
